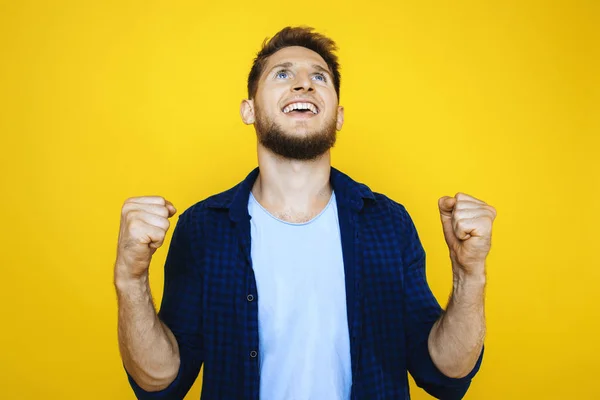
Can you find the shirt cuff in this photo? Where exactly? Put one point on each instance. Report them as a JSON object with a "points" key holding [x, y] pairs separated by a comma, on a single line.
{"points": [[444, 387], [170, 392]]}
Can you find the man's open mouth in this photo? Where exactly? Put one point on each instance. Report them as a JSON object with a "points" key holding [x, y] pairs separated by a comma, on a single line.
{"points": [[301, 107]]}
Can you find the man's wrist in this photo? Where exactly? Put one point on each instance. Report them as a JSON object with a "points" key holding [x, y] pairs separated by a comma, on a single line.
{"points": [[472, 275], [468, 287], [124, 281], [469, 279]]}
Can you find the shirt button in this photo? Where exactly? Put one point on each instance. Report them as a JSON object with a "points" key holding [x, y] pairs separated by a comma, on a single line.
{"points": [[250, 297], [253, 354]]}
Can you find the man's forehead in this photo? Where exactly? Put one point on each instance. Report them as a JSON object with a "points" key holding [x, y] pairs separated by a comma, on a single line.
{"points": [[296, 55]]}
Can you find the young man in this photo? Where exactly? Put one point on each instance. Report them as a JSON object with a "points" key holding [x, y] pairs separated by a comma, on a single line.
{"points": [[298, 283]]}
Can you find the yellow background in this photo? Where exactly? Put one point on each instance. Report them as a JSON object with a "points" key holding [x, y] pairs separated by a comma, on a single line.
{"points": [[101, 101]]}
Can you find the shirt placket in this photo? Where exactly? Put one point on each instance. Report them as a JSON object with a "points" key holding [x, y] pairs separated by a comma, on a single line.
{"points": [[350, 248], [251, 339]]}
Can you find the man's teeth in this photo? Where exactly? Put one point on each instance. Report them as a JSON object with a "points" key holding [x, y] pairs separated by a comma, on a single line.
{"points": [[301, 106]]}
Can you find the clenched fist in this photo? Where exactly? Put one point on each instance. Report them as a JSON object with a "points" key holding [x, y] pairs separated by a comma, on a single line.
{"points": [[467, 224], [144, 224]]}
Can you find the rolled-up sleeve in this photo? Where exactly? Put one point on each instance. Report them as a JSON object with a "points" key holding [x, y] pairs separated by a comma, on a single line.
{"points": [[422, 310], [181, 311]]}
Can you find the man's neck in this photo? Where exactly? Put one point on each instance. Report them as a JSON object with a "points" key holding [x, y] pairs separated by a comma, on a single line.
{"points": [[292, 187]]}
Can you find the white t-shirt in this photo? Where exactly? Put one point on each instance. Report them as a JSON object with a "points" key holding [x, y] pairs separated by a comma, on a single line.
{"points": [[304, 348]]}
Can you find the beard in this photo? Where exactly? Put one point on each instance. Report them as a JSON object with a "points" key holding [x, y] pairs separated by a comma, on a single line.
{"points": [[306, 147]]}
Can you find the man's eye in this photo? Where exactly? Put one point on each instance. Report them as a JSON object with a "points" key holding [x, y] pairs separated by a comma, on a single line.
{"points": [[320, 77], [282, 74]]}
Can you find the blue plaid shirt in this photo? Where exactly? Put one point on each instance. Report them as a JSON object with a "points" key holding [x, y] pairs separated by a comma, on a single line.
{"points": [[210, 299]]}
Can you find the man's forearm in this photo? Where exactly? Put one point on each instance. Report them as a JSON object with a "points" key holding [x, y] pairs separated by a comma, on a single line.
{"points": [[456, 339], [148, 347]]}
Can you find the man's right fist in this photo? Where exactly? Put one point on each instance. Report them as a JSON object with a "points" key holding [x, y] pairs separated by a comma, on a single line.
{"points": [[144, 224]]}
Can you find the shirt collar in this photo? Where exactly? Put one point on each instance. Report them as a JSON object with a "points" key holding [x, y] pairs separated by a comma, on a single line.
{"points": [[348, 192]]}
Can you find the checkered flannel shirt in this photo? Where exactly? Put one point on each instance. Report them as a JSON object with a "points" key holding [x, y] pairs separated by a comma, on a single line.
{"points": [[210, 299]]}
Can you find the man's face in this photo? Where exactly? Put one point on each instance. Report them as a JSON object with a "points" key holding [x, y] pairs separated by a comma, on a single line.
{"points": [[295, 111]]}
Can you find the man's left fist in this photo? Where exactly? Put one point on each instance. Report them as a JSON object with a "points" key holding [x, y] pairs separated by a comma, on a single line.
{"points": [[467, 224]]}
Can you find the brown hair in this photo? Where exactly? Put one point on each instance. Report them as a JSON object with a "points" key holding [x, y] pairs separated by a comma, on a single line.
{"points": [[295, 36]]}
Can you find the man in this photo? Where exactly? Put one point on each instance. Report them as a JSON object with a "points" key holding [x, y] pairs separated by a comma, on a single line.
{"points": [[298, 283]]}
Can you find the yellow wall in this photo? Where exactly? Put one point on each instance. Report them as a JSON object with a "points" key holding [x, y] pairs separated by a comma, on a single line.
{"points": [[100, 101]]}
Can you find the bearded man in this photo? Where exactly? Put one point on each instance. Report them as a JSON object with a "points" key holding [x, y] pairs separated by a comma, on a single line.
{"points": [[299, 283]]}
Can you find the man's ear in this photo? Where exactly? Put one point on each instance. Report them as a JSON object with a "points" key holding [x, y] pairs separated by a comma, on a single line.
{"points": [[340, 118], [247, 111]]}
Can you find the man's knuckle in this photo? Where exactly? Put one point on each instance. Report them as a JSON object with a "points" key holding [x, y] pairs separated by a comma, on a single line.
{"points": [[133, 215], [162, 211]]}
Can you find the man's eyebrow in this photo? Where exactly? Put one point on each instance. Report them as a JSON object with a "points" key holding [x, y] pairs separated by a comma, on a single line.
{"points": [[282, 65], [318, 67], [289, 65]]}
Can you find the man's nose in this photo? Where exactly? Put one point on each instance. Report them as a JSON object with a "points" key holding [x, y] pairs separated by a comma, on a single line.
{"points": [[303, 82]]}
